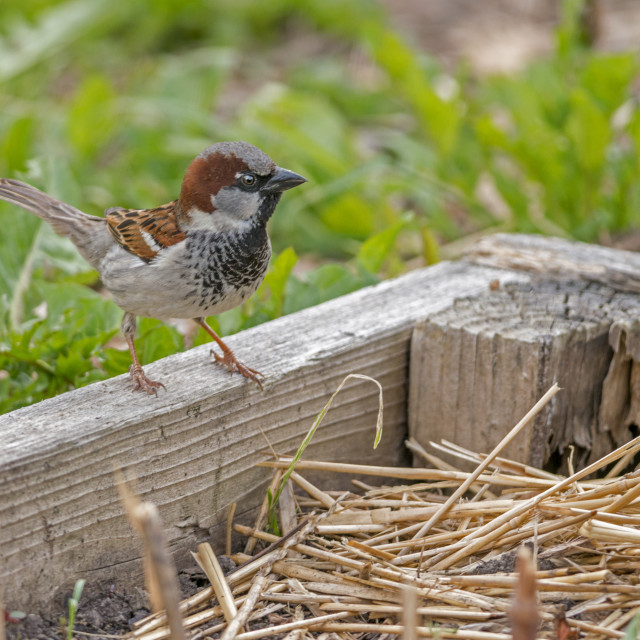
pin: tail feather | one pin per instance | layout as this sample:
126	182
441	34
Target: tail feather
55	212
88	233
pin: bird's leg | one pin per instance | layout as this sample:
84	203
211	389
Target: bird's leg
140	380
227	358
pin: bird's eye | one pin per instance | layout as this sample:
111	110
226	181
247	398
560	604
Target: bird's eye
248	179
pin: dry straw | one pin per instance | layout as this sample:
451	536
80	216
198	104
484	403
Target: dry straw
408	560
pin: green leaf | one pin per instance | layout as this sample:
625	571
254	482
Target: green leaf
633	128
376	249
57	27
92	115
490	134
157	340
22	233
349	215
430	247
15	147
324	283
608	78
115	361
73	604
511	189
568	33
93	313
276	279
31	245
302	125
589	131
439	117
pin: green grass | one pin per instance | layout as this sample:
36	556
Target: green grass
73	604
106	103
274	499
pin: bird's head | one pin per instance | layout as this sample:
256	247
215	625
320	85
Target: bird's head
232	185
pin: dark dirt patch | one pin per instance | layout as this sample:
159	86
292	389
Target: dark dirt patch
103	610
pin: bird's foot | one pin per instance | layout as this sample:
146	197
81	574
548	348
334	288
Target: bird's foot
140	381
234	365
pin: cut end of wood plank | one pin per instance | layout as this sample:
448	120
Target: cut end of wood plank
477	366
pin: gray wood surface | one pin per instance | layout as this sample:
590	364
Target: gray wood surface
491	333
479	365
194	448
562	259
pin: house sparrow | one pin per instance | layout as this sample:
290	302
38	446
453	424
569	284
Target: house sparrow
197	256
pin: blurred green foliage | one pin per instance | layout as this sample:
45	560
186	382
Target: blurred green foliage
105	104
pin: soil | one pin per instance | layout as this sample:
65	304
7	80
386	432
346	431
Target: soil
104	612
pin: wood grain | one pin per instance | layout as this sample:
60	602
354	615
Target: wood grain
479	365
558	258
491	333
194	449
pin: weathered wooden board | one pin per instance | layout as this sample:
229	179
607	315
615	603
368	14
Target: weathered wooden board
491	333
194	448
477	366
560	259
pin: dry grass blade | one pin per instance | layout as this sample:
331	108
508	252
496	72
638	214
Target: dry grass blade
318	421
609	532
499	463
423	632
271	558
524	615
627	498
488	533
321	496
160	573
452	478
230	513
457	613
410	612
242	616
436	462
264	509
287	508
296	634
310	623
208	562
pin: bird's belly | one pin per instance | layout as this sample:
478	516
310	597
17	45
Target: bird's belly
174	300
178	288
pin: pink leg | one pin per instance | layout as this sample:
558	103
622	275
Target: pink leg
140	380
227	358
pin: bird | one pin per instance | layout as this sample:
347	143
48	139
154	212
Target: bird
195	257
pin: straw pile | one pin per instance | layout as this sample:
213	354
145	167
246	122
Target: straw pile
432	553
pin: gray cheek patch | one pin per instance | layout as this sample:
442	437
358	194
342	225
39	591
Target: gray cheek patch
234	202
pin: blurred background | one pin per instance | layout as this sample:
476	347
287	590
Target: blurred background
420	124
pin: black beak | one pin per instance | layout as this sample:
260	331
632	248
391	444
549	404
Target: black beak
282	180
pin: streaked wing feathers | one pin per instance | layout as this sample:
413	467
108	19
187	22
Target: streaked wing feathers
144	232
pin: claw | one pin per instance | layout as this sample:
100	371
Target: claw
234	365
140	381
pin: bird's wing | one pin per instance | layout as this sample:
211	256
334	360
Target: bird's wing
144	232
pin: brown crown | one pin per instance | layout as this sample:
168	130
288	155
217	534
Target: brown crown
205	176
